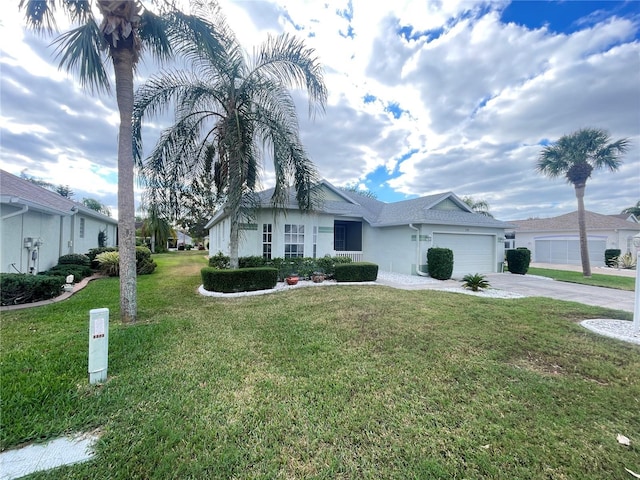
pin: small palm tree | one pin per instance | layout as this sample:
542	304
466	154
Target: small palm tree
478	206
125	27
575	156
229	111
475	282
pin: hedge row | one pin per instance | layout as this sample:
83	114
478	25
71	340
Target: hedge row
18	288
356	272
238	280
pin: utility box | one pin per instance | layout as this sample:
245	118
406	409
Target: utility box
98	344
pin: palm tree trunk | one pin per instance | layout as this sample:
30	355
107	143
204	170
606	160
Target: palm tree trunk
123	67
234	237
582	228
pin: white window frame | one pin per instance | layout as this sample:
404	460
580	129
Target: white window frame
293	240
267	240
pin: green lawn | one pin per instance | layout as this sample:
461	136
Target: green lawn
596	279
328	382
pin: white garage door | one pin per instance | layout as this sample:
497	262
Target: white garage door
567	252
471	253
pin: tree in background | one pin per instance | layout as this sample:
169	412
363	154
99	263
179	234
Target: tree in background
65	191
230	111
478	206
635	210
118	38
96	205
62	190
157	229
353	188
575	157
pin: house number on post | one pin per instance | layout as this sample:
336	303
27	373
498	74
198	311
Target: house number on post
98	344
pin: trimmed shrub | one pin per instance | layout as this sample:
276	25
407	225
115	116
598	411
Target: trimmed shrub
78	271
440	263
19	288
220	261
251	262
74	259
356	272
518	260
327	264
610	256
238	280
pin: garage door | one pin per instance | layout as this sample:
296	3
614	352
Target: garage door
471	253
567	252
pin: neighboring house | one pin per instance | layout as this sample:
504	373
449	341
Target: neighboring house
396	236
556	239
39	226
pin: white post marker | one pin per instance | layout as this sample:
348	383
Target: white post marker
98	344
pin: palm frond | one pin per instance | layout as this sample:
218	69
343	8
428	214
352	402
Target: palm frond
287	59
39	14
153	35
81	49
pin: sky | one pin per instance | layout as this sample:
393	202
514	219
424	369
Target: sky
425	97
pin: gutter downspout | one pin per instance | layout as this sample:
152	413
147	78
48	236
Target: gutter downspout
418	271
24	209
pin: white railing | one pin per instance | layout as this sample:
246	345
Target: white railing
354	256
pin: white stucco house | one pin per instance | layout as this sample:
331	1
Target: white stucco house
556	239
38	226
396	236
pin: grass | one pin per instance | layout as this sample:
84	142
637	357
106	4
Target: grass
328	382
596	279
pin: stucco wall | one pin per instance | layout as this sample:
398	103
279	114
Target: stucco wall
15	257
58	234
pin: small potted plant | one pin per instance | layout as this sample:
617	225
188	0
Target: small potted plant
317	277
292	279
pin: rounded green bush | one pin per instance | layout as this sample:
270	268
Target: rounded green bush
440	263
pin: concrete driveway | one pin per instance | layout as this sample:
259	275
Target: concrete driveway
534	286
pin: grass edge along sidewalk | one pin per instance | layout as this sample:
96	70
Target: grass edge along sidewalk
343	382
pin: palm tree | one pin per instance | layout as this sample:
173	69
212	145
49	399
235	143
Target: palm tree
157	229
230	110
478	206
575	156
635	210
124	28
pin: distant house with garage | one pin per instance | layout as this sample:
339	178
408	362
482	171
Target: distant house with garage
396	236
556	239
39	226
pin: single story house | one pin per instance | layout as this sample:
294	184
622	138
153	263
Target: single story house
38	226
556	239
396	236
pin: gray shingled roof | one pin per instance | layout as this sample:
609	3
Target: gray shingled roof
381	214
569	222
19	191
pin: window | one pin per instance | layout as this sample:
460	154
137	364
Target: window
81	227
315	241
267	236
293	241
